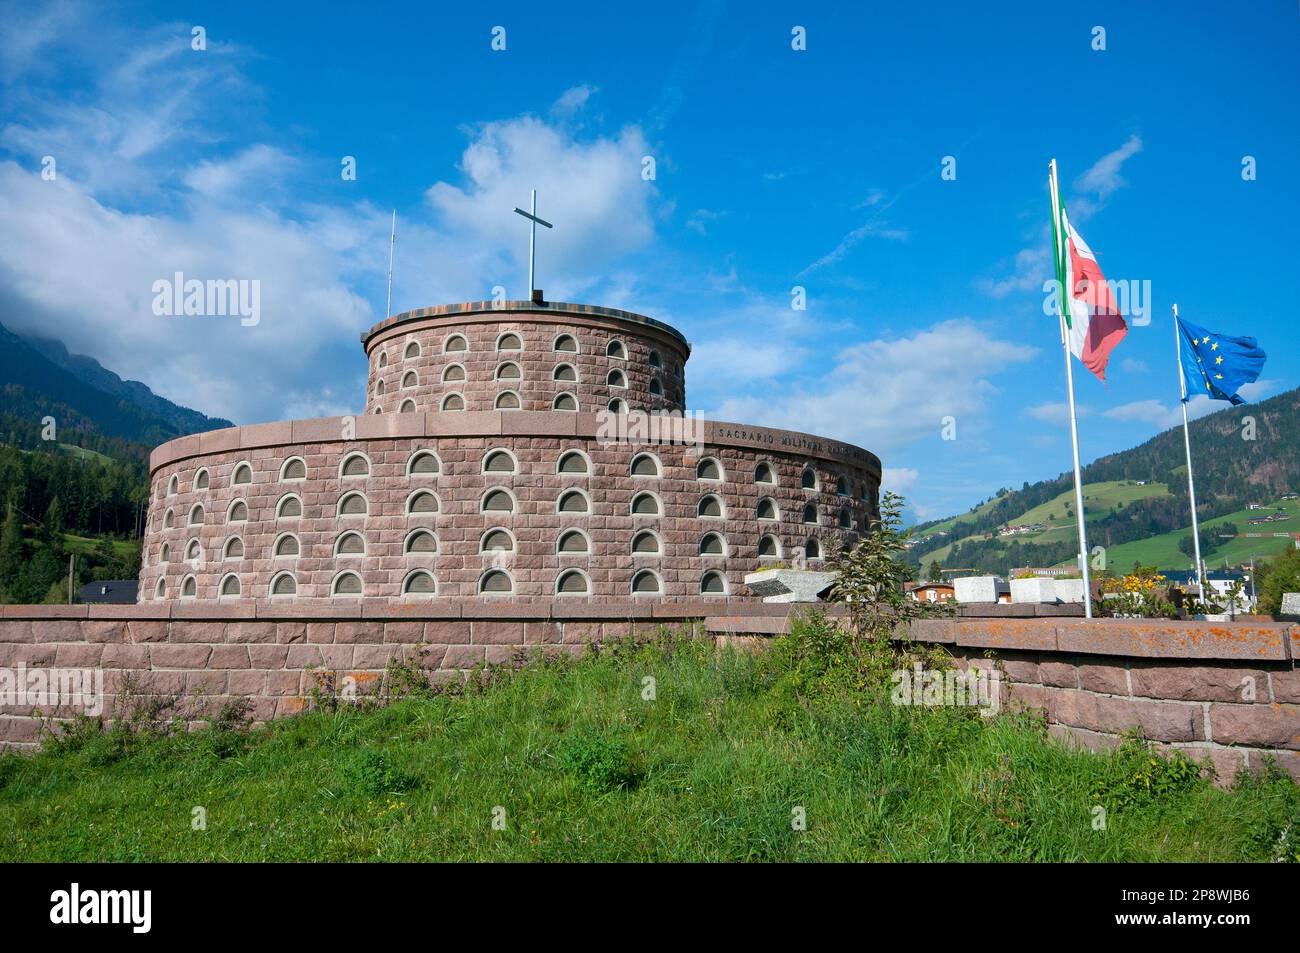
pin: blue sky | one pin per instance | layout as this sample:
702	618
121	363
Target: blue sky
774	168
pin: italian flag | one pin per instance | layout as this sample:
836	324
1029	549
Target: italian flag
1093	324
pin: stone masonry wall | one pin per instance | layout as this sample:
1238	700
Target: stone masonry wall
464	355
229	524
1182	684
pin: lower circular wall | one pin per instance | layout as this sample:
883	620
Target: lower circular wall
197	542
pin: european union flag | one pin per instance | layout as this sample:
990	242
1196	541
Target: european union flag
1215	364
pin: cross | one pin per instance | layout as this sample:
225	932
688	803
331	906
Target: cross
532	239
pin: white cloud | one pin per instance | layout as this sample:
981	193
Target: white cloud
1032	267
88	270
1033	264
123	134
27	29
700	220
78	257
1103	177
899	479
1133	365
571	101
1056	412
1163	416
258	167
885	393
591	191
872	228
728	361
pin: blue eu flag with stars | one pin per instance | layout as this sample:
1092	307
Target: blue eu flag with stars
1216	365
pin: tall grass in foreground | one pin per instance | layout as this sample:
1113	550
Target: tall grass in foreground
665	750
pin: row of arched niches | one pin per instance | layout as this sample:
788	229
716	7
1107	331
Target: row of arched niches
562	361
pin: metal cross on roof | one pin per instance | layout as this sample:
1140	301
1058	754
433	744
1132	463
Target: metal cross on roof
532	240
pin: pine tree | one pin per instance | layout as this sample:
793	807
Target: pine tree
52	524
11	548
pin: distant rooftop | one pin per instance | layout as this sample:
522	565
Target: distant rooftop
115	592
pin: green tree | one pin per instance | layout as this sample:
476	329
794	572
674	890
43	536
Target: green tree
11	548
869	577
52	525
935	572
1277	577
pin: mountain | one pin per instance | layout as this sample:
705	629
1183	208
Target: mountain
181	419
40	377
1243	455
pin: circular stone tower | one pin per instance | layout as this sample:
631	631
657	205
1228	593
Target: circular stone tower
525	450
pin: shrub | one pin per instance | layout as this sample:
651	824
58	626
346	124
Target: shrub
370	772
1141	776
599	761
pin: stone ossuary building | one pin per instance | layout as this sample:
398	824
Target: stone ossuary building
525	450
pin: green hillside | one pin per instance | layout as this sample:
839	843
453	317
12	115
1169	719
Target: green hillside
1057	514
74	448
1162	551
1137	504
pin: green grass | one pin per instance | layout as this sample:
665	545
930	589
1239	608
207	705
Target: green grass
580	766
84	545
1099	499
85	454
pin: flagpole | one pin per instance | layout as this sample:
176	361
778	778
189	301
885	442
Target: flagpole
1187	445
392	243
1063	302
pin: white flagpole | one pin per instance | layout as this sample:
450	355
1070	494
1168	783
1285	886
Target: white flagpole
1063	303
1187	445
392	243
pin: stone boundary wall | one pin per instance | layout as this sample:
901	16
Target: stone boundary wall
1183	684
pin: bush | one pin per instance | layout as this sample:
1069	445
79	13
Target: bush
1139	776
599	761
370	772
1280	576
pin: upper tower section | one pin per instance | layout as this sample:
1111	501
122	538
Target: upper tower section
524	355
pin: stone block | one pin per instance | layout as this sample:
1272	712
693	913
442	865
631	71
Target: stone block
789	585
179	656
351	633
979	588
1105	679
463	656
1183	682
245	632
1158	721
1023	634
268	656
1262	726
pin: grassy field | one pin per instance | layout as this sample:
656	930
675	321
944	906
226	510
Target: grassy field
84	454
82	545
717	759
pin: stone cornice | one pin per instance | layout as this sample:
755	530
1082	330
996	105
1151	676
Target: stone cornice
498	311
513	423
